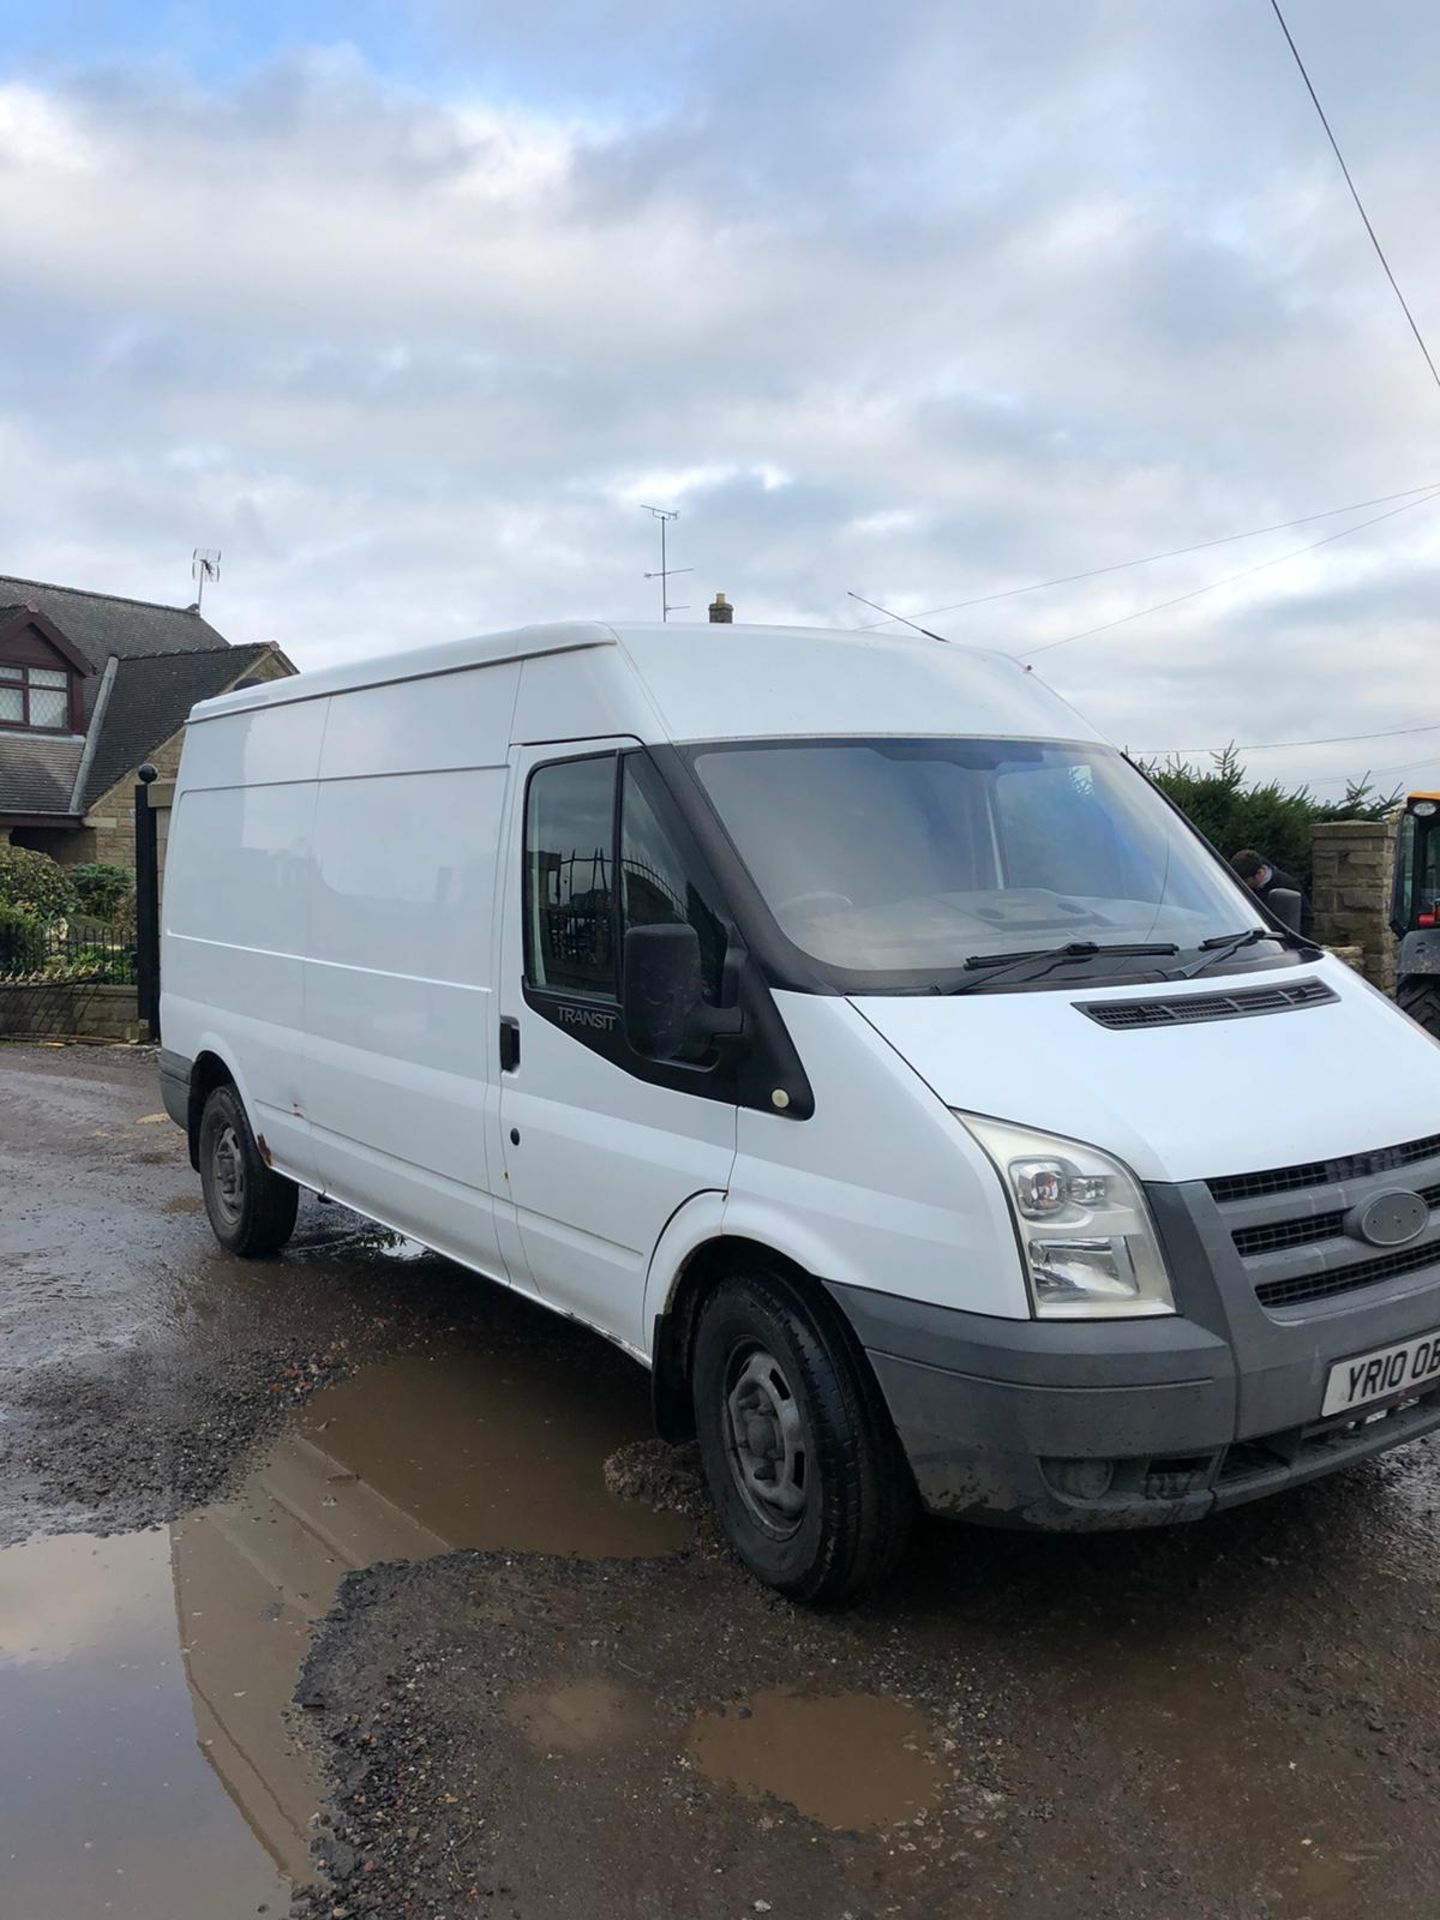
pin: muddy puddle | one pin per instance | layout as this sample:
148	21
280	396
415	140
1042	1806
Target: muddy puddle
109	1804
149	1677
504	1451
851	1761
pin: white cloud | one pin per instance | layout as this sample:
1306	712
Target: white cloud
38	132
928	306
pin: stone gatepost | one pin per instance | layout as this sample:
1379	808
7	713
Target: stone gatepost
1354	861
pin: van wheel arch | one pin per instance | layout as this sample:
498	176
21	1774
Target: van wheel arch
208	1072
674	1347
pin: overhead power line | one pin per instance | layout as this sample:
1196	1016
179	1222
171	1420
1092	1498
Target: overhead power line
1274	746
1171	553
1371	773
1070	579
1355	194
1179	599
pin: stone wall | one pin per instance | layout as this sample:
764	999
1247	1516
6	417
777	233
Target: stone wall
70	1009
1354	862
111	820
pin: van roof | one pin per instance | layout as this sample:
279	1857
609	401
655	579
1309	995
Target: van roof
704	682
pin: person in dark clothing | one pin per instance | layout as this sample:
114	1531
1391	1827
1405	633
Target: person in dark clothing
1262	876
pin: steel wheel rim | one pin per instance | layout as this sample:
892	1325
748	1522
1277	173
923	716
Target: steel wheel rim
765	1441
227	1163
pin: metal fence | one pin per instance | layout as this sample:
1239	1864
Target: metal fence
66	953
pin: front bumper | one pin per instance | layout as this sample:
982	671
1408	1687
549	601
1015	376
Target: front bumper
1081	1425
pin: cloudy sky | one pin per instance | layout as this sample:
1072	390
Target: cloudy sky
408	305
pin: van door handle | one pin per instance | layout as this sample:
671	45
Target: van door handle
509	1044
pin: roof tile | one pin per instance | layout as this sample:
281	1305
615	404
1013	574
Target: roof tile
37	772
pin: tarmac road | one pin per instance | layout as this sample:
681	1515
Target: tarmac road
347	1578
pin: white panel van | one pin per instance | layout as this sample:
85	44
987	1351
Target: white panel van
841	1026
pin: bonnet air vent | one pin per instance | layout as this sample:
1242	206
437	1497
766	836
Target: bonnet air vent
1191	1008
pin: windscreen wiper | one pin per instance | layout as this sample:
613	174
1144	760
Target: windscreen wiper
990	967
1220	946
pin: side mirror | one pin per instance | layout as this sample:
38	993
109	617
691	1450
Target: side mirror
665	1013
1284	903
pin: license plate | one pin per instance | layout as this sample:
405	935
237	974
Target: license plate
1408	1368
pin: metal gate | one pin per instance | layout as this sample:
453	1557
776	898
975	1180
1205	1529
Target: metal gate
147	903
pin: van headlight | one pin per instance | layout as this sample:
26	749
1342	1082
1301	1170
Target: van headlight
1086	1236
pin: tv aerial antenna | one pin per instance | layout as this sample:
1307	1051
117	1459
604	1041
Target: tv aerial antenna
664	515
204	565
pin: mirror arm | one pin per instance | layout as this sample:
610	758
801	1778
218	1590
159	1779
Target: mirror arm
728	1019
719	1023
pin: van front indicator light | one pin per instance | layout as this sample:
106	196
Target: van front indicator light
1084	1229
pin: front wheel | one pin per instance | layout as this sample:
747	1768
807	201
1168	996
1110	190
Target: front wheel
802	1461
1421	1000
251	1208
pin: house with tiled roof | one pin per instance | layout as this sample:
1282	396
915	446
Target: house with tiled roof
91	687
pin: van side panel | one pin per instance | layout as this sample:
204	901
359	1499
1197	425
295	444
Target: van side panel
239	880
591	694
256	749
399	989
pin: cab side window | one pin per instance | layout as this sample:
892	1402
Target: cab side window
657	885
570	877
1427	878
1402	901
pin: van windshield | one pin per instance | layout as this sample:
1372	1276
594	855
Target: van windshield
911	857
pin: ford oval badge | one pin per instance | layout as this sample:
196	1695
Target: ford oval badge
1390	1219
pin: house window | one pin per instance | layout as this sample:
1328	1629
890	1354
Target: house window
34	697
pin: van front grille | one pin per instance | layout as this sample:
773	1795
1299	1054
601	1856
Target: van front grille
1324	1173
1276	1235
1364	1273
1293	1228
1288	1233
1128	1016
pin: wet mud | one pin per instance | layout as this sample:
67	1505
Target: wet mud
183	1645
583	1750
346	1574
853	1761
403	1461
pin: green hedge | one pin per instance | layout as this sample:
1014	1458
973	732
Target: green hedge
101	889
22	940
35	883
1274	820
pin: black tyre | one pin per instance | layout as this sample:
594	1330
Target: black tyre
1421	1000
251	1208
804	1467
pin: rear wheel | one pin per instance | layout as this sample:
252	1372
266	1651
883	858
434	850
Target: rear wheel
251	1209
1420	998
803	1464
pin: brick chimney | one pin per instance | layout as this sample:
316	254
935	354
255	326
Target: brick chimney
721	611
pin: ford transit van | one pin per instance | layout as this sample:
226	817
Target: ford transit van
841	1026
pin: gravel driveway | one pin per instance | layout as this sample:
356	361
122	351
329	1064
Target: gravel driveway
347	1579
